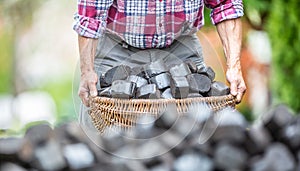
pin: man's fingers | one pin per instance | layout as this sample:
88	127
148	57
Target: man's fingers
85	101
240	96
237	85
88	87
233	88
93	89
241	92
83	94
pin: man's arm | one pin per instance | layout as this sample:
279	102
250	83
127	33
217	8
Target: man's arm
90	24
230	32
226	15
89	78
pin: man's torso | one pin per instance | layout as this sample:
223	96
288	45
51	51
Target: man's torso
154	23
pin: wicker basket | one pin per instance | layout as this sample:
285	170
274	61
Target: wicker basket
106	112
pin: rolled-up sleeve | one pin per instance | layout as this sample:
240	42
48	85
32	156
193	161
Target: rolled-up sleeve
90	19
224	9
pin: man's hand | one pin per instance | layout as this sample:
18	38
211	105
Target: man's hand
87	86
230	32
89	78
237	85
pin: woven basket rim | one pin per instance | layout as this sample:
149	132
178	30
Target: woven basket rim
196	99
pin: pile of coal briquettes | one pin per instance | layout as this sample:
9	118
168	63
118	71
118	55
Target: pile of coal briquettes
157	81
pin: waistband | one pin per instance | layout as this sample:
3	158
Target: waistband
125	45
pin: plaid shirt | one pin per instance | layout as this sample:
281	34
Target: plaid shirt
150	23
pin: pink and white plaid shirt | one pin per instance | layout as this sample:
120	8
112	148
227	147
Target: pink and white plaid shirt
150	23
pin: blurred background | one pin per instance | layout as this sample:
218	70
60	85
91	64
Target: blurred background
39	57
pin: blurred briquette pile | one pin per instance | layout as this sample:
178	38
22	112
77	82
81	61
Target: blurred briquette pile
223	141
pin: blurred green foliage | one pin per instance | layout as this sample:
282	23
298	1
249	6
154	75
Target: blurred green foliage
207	19
62	96
5	62
257	12
281	19
284	32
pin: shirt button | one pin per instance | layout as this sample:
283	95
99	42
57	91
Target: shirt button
160	24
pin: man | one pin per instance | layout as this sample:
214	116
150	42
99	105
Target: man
135	32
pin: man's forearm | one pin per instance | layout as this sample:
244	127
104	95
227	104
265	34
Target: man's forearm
230	32
89	78
87	51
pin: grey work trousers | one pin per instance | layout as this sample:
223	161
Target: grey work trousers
112	52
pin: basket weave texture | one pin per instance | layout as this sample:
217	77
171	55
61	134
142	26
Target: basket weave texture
106	112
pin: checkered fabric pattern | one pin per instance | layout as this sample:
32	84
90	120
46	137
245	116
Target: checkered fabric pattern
150	23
